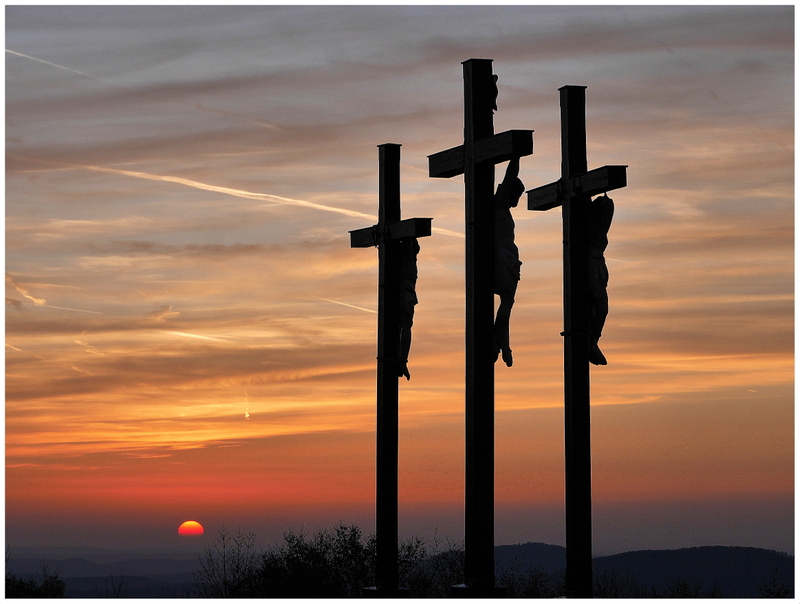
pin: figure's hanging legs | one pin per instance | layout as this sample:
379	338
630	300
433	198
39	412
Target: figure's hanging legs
502	342
598	311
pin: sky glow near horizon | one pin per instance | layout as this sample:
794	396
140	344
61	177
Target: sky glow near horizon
190	335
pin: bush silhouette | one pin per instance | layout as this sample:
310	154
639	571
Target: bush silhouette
50	586
335	563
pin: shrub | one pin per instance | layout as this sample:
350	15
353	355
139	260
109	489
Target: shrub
50	587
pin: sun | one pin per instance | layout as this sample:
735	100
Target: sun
191	527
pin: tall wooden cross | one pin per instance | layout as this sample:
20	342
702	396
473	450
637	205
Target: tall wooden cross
388	235
573	193
475	159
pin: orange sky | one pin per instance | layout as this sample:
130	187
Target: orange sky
190	336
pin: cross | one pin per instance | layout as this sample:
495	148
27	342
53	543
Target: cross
573	192
392	237
475	159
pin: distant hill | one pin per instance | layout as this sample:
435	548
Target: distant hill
80	567
533	556
733	571
139	577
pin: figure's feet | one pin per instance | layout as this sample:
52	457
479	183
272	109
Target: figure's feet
595	355
404	371
507	358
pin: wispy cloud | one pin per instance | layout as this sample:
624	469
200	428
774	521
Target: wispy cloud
24	292
164	313
39	301
88	347
156	97
14	348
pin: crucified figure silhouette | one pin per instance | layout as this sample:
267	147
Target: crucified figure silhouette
506	256
408	299
601	212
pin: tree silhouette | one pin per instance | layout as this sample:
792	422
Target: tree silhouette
50	587
228	567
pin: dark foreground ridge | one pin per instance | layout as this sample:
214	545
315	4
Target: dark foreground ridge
528	569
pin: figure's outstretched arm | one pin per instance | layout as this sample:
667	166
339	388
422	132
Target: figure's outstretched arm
510	190
512	171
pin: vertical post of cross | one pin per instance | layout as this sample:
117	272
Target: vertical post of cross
573	192
388	236
386	507
475	159
479	189
578	463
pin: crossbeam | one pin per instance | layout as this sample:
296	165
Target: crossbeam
594	182
372	236
495	149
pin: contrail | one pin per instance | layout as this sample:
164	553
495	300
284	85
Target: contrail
196	106
191	183
348	305
86	75
275	199
194	335
94	312
447	232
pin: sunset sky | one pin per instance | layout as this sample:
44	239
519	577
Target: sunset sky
189	335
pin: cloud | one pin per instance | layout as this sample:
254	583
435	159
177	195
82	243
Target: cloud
24	292
161	315
88	347
129	90
39	301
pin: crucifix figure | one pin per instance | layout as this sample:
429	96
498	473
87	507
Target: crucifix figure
397	245
601	212
585	228
475	159
506	256
409	248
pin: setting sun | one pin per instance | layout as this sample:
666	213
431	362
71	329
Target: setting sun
190	527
